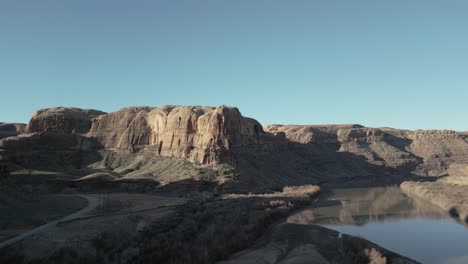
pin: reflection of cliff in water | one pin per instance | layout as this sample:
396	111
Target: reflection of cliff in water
362	205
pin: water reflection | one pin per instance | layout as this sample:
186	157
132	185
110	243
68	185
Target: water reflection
388	217
362	205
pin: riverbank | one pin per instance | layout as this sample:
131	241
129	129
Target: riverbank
290	243
449	193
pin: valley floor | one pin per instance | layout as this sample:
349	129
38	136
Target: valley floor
202	227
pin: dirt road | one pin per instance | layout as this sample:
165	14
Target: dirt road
92	204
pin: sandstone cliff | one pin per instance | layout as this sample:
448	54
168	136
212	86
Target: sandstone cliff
197	133
128	141
63	119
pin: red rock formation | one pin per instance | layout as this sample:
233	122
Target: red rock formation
198	133
62	119
287	153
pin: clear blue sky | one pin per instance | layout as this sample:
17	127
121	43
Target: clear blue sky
392	63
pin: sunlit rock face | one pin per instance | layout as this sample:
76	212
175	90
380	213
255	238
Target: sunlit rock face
268	157
198	133
66	119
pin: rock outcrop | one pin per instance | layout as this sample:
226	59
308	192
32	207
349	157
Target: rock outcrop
422	152
11	129
52	150
438	149
270	157
62	119
198	133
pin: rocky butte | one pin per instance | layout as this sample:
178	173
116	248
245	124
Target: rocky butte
72	140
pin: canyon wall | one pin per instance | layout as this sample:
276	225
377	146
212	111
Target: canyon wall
197	133
421	152
274	155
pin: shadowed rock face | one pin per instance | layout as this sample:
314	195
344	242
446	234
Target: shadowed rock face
11	129
197	133
62	119
422	152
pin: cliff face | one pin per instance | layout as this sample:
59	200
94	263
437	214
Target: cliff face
62	119
198	133
422	152
273	156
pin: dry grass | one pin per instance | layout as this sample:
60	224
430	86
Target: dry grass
302	191
375	257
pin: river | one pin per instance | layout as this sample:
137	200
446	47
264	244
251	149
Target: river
386	216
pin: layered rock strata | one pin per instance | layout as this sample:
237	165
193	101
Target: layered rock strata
271	157
201	134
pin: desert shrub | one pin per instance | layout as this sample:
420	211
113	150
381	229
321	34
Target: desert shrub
64	255
301	190
206	233
198	232
279	203
102	242
454	212
375	257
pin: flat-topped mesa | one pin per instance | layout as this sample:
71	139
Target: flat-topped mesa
373	144
199	133
65	119
435	134
439	149
310	134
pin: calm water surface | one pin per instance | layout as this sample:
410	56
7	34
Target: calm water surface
388	217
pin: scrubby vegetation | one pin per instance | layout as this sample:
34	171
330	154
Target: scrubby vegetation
303	191
198	232
206	233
